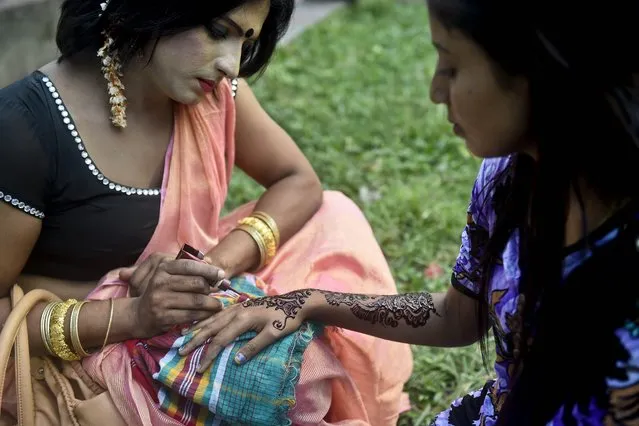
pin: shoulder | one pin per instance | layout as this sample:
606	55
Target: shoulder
492	173
27	93
26	111
26	125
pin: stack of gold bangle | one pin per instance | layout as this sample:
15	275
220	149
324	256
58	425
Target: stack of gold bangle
52	329
264	231
75	335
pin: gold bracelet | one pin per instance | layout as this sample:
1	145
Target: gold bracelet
258	240
106	336
75	334
270	222
45	321
257	237
266	235
58	339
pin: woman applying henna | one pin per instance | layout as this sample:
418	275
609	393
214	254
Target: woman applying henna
548	253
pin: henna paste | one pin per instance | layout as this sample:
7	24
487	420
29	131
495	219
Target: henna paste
413	308
289	303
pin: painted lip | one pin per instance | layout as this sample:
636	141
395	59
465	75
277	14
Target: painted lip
207	85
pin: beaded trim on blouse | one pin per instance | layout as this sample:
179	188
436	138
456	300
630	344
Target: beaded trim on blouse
93	169
9	199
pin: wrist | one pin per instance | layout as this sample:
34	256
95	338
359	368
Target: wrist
314	306
126	324
235	254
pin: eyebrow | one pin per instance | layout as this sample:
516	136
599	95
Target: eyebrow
440	47
248	33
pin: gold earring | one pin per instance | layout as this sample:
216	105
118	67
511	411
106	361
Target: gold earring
112	71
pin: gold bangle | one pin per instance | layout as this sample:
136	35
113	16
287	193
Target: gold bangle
58	339
270	222
48	327
75	334
106	336
258	240
266	235
45	320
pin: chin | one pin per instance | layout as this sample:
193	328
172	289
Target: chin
188	98
194	100
185	94
486	150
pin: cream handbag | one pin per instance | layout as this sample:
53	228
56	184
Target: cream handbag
49	391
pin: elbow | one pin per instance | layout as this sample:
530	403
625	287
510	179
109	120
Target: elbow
309	187
310	190
304	187
315	193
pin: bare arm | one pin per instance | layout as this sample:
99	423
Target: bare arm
177	292
63	289
266	153
20	232
439	319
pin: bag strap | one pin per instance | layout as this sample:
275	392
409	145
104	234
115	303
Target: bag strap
15	333
22	366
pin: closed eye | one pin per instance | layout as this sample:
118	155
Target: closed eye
217	30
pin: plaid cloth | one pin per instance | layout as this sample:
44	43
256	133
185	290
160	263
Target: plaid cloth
260	392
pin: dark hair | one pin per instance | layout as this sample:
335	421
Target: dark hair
134	24
581	65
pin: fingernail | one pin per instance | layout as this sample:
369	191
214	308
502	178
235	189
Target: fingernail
239	358
221	274
181	350
185	331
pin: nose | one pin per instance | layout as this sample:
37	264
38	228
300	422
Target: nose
439	90
229	65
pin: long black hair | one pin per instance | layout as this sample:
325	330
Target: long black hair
133	24
581	65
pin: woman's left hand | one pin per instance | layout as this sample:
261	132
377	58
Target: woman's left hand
271	317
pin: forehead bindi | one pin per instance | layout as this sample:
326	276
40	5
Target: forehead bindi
247	20
247	33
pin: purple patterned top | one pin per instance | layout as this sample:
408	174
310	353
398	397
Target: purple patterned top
503	295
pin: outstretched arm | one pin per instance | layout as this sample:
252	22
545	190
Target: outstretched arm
439	319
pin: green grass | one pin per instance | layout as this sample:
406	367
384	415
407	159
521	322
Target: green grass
353	92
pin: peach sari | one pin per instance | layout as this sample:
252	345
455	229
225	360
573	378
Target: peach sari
347	378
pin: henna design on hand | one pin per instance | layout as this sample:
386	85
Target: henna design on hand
413	308
289	303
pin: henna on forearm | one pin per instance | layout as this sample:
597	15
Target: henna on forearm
289	303
370	314
438	319
415	309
